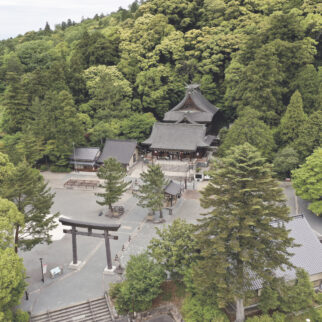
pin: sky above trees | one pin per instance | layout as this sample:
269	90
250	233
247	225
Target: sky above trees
20	16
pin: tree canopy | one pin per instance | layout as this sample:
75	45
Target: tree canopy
236	237
307	181
78	79
249	128
151	190
174	248
143	279
27	190
113	174
12	282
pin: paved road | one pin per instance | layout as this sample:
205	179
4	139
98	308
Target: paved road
314	221
89	282
299	206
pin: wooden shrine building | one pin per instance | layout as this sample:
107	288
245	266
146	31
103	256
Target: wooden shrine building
196	109
178	141
84	159
188	130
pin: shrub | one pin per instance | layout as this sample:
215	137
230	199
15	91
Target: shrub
195	309
115	290
21	316
141	287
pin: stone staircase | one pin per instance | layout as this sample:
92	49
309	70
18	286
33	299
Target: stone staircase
92	310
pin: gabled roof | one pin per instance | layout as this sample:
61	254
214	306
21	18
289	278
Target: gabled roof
172	188
205	110
307	256
85	154
121	150
179	137
186	117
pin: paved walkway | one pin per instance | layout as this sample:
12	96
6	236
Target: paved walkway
89	282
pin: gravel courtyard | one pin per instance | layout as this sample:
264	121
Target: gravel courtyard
74	286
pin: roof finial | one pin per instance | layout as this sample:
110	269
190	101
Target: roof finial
192	87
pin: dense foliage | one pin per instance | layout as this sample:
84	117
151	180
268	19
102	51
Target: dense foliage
288	297
143	279
112	76
12	271
151	190
307	181
12	282
26	188
174	248
238	243
195	309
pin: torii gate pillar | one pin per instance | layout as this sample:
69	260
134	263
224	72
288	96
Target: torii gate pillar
90	226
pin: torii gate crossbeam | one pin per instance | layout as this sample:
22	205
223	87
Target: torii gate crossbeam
90	226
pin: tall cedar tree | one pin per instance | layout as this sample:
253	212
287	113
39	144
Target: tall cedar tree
242	236
113	174
16	106
26	188
292	120
150	193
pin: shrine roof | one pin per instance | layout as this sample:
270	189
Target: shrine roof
205	110
121	150
179	137
85	154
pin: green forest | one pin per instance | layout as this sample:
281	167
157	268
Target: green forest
259	61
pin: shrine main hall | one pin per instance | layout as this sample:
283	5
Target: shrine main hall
188	130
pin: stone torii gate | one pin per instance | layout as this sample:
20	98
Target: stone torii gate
90	226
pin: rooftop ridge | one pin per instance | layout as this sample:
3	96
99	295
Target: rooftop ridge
180	124
121	140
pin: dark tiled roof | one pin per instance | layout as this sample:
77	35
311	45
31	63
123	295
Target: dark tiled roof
172	188
186	117
85	154
210	138
121	150
307	256
206	109
180	137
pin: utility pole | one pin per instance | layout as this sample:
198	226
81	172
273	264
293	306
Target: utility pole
75	164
